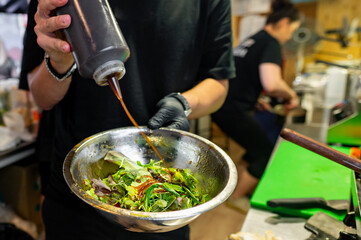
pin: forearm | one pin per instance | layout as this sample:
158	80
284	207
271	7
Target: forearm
46	91
206	97
272	82
282	90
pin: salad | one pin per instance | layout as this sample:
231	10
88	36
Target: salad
150	187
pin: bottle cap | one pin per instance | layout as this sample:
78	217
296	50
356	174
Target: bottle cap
114	68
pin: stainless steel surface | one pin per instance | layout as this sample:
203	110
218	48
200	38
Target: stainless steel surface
286	228
213	168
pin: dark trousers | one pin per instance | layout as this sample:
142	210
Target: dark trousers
271	123
79	221
247	132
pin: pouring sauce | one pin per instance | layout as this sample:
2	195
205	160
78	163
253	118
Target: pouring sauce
114	84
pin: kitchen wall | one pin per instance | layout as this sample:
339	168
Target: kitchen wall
325	15
330	14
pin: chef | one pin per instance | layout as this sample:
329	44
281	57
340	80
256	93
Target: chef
180	63
258	63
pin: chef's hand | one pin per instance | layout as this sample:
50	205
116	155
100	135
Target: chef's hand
263	104
292	103
171	113
47	25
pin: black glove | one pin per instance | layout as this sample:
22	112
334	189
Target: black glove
172	110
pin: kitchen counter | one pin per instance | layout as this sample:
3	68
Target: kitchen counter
288	228
13	155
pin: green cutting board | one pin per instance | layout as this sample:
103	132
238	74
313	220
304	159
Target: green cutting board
295	172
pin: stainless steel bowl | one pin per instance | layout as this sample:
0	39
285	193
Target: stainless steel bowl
213	168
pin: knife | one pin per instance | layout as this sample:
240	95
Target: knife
301	203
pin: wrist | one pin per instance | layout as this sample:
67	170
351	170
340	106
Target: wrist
59	67
186	107
61	62
293	95
59	71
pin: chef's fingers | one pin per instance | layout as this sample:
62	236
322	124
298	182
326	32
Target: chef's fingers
159	119
164	118
52	24
291	104
47	24
52	45
179	123
46	7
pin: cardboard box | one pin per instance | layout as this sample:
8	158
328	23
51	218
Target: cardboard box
20	189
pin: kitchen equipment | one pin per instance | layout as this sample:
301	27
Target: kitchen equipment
344	117
301	203
297	115
321	149
213	168
345	124
324	227
295	172
336	85
99	48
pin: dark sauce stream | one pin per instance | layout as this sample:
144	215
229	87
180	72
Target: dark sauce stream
114	84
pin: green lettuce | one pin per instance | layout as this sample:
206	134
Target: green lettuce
149	187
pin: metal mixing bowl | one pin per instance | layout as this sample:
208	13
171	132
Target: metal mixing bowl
213	168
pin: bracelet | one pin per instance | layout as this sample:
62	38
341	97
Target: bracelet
58	77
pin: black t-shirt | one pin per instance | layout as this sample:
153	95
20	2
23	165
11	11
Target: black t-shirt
245	89
173	44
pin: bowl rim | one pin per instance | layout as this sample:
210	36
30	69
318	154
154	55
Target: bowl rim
168	215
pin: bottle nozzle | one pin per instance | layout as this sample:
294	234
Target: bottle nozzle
114	69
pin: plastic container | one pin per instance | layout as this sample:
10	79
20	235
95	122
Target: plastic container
99	48
336	85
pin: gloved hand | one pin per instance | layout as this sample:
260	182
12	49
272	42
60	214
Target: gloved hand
171	113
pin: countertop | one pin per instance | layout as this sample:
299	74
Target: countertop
12	155
288	228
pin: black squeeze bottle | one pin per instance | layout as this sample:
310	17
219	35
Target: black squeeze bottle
98	45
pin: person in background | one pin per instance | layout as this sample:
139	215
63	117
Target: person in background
258	68
176	47
271	115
